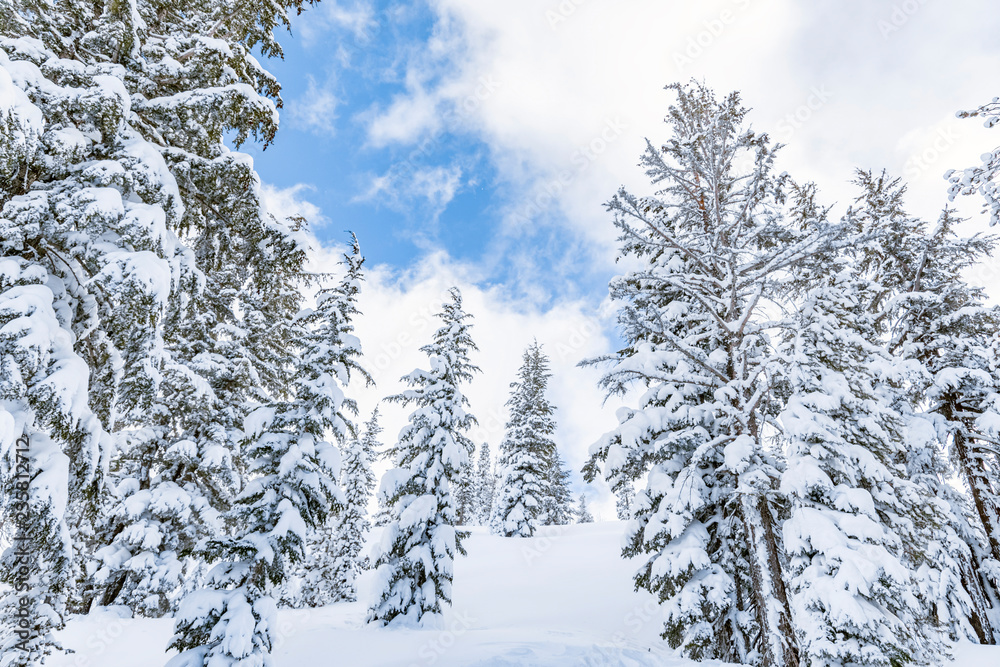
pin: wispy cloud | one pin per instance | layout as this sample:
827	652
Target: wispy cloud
289	202
316	110
358	18
401	189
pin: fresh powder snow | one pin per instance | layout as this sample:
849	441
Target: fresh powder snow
564	599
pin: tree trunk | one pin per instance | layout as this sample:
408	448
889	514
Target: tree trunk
979	619
983	496
114	588
778	647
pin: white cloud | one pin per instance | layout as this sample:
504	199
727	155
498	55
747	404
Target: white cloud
437	185
405	186
358	18
407	117
288	202
563	95
316	109
562	71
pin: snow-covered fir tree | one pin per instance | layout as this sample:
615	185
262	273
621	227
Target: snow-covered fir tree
980	179
465	494
334	562
530	485
485	485
968	399
132	108
292	471
624	496
715	244
559	503
91	261
854	594
583	514
329	572
414	559
935	319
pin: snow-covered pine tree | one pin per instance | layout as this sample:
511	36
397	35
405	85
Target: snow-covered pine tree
528	462
91	261
382	511
193	81
414	559
465	494
957	576
292	470
854	594
936	319
559	504
352	526
714	246
624	496
329	572
485	485
583	514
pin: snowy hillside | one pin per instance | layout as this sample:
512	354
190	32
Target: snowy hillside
559	599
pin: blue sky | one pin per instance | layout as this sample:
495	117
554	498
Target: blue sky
474	143
391	123
438	190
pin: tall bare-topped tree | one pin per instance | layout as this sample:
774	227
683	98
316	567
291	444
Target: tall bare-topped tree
715	247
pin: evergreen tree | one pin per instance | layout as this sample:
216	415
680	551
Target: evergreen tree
854	594
332	571
415	558
623	500
956	575
715	244
328	574
559	504
941	323
980	179
485	485
465	494
292	472
529	467
177	342
583	514
90	263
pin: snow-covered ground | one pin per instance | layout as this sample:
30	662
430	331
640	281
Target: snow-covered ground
564	598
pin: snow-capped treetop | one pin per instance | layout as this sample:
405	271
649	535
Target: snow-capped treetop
980	178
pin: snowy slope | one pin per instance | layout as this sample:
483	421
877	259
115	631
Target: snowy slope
564	598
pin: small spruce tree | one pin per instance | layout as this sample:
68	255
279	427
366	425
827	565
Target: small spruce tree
485	485
623	500
414	559
337	570
583	514
529	469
